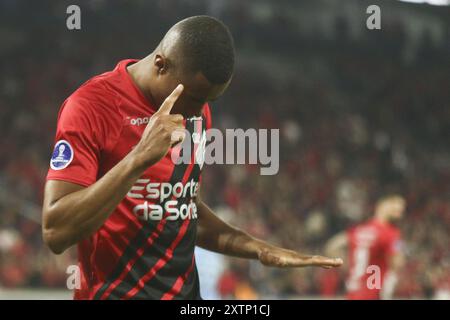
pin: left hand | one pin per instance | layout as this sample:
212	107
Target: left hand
284	258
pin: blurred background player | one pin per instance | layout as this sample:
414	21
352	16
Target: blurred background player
374	251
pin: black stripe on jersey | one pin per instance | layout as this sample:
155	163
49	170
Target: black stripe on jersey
142	235
164	278
161	282
138	241
191	288
147	261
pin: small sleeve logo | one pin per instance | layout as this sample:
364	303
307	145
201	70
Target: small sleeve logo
62	155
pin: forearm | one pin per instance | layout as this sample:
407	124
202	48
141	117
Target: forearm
218	236
77	215
233	242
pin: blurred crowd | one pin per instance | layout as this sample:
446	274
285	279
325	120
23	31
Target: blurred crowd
356	119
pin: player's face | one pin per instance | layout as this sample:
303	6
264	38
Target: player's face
197	91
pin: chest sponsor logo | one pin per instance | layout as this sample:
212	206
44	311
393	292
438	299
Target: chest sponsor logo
160	197
138	121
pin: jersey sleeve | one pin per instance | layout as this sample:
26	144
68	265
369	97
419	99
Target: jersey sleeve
394	244
77	144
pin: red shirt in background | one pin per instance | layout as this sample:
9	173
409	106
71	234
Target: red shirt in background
370	244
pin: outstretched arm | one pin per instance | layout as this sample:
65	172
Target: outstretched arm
218	236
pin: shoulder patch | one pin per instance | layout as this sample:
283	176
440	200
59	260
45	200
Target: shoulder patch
62	155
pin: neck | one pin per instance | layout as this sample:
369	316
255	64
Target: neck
139	73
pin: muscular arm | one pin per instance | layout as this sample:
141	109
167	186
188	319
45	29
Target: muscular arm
72	212
218	236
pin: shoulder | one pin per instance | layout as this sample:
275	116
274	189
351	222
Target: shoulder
97	94
93	103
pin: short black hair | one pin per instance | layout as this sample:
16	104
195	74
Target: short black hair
206	45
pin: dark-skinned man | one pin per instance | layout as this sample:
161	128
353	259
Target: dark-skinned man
113	187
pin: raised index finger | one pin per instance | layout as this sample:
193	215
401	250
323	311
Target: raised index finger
167	105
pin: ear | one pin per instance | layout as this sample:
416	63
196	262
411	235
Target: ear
160	64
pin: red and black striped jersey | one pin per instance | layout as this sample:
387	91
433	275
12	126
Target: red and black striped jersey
145	249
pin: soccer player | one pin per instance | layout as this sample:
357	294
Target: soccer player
114	189
372	247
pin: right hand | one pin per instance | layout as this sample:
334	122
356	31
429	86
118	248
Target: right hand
163	131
